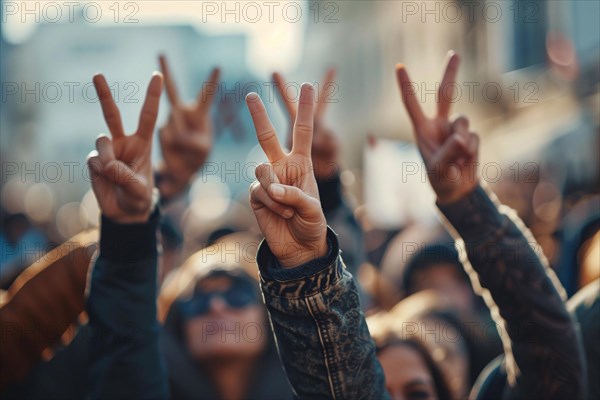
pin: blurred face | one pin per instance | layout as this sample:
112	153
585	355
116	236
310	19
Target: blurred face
589	256
225	319
449	352
444	279
406	374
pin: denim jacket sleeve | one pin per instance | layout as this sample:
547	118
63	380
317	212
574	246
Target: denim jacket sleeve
321	332
543	352
124	359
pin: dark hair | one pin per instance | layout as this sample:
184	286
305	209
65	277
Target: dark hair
429	256
15	218
439	381
219	233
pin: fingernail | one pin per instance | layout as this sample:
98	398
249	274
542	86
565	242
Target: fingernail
306	93
277	190
288	213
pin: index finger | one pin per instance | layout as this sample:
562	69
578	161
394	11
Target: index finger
448	86
328	84
112	116
208	91
169	82
265	132
409	97
150	107
287	102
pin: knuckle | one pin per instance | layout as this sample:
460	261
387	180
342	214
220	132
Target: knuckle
293	192
461	120
265	173
303	128
102	140
94	164
148	116
261	170
267	134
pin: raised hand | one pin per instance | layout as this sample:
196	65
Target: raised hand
326	145
187	138
449	148
285	199
121	168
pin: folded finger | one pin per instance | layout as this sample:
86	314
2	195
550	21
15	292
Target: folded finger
454	149
265	174
461	126
259	198
294	197
94	164
473	145
105	149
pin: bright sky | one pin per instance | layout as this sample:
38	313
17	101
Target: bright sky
274	28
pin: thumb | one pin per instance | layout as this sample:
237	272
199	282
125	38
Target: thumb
292	196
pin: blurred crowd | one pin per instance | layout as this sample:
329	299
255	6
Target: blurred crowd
435	333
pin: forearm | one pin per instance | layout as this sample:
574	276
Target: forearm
124	355
321	331
528	297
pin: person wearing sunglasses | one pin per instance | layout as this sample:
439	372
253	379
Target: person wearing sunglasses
216	338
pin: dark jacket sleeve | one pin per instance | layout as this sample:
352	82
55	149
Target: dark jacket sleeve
341	218
123	345
543	352
321	332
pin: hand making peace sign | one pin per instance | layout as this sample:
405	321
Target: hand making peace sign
285	199
449	149
121	168
325	145
187	138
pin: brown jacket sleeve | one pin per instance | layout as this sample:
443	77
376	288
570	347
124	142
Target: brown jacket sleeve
42	304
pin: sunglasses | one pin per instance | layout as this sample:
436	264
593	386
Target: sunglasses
239	295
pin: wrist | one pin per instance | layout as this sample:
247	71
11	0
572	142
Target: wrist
271	269
316	251
124	242
455	195
137	218
128	219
